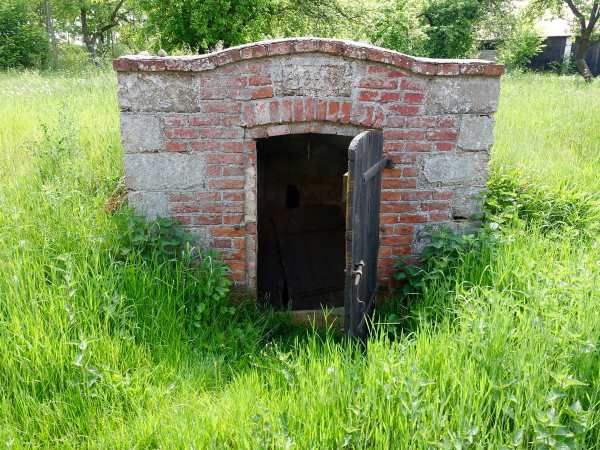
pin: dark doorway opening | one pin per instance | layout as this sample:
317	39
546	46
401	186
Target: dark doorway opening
301	206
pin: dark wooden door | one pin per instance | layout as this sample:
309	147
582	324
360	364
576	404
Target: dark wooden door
365	163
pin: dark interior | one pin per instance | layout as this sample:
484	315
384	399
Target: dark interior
301	220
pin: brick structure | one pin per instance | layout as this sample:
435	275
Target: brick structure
190	124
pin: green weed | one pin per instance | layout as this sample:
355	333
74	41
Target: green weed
104	344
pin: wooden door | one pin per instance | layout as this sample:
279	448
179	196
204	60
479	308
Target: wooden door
365	163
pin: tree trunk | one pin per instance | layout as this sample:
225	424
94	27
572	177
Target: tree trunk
88	39
50	30
580	54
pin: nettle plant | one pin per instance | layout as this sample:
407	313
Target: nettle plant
510	201
164	241
442	257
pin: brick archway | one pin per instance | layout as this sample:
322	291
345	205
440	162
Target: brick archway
189	126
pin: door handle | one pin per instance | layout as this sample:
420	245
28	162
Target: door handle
358	272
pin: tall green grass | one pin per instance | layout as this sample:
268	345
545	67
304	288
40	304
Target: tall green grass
96	351
548	128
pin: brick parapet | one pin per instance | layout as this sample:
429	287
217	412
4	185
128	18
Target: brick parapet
290	46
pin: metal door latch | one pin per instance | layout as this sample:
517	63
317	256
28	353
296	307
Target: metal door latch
358	272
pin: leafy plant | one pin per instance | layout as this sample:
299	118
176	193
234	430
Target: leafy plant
23	43
451	26
202	25
203	276
512	198
396	25
521	45
210	301
441	258
162	237
57	146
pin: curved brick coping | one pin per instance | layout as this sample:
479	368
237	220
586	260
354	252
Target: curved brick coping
348	49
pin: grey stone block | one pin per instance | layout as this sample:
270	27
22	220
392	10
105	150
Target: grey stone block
422	235
149	204
468	202
466	169
165	171
156	92
476	132
465	226
140	133
462	95
312	74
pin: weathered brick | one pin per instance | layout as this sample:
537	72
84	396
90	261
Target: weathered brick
368	96
404	135
220	106
205	145
404	110
181	133
413	218
207	219
262	92
225	158
414	97
299	109
233	146
377	83
441	135
333	108
259	80
175	146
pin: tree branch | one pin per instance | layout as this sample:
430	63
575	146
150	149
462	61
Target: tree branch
594	16
113	16
577	14
113	22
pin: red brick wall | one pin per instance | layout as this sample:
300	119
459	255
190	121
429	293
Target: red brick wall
240	101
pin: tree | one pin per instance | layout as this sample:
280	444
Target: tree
587	13
434	28
49	21
324	18
586	28
513	33
201	25
451	27
23	42
396	25
91	19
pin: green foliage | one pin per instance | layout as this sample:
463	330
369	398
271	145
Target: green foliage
57	147
511	204
98	347
451	27
521	44
442	258
323	18
396	25
434	28
72	59
101	19
162	238
202	25
510	198
206	277
23	43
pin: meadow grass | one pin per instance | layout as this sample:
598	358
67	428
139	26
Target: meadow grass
96	351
